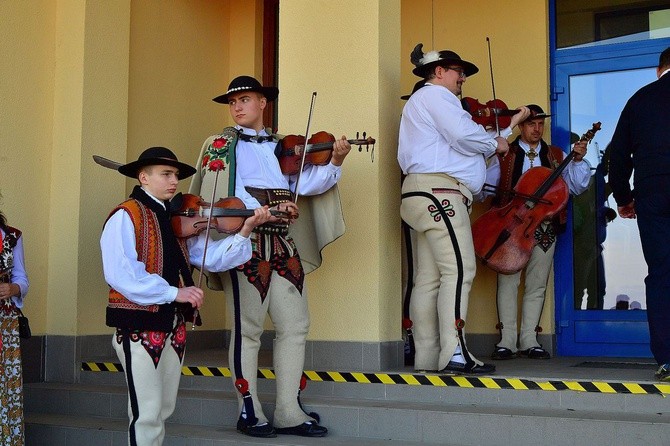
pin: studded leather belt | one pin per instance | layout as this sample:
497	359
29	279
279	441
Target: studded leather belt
271	197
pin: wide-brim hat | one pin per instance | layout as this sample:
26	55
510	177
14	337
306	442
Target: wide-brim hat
247	83
157	156
426	62
417	86
536	112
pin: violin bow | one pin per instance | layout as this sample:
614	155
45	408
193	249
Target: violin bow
493	85
304	149
204	249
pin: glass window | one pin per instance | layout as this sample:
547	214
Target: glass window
609	267
599	22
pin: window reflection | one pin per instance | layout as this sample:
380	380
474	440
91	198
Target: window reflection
609	268
598	22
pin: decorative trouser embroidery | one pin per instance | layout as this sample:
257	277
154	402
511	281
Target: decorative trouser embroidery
154	341
11	381
152	374
545	236
272	253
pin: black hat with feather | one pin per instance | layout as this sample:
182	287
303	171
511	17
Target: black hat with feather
424	63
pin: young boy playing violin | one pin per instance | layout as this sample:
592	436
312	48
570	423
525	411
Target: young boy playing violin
272	281
152	293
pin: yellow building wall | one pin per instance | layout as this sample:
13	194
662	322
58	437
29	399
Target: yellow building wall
26	135
519	36
352	61
112	78
179	60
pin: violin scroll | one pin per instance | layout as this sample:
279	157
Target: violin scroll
319	150
366	141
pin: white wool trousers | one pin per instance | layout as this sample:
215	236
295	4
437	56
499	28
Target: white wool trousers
436	206
287	308
152	389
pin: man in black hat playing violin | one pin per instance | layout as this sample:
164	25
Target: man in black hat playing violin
272	281
152	293
443	152
526	151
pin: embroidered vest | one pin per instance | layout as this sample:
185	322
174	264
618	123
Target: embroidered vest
7	244
123	313
9	241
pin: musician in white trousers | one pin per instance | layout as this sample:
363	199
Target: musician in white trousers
526	151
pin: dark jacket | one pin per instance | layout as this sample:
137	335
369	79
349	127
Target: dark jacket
641	140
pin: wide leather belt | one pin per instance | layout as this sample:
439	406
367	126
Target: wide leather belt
271	197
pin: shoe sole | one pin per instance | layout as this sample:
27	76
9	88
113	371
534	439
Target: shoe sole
453	372
503	358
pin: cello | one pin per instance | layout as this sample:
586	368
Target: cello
504	237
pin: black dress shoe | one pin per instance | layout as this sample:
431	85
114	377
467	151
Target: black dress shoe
503	353
264	430
306	429
469	369
535	353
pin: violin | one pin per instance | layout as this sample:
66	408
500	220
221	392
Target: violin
485	114
319	150
504	237
228	214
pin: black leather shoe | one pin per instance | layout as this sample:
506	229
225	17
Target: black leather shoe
503	353
260	430
535	353
306	429
469	369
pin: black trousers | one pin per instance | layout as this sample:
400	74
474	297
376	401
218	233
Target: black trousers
652	204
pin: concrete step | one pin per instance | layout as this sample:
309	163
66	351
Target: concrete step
58	412
69	430
496	391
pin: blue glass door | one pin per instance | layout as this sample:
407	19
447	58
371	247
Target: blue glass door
599	268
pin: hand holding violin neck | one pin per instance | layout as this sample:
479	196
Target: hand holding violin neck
284	212
319	151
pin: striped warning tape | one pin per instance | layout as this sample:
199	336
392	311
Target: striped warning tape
414	379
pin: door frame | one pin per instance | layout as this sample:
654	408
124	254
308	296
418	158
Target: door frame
591	332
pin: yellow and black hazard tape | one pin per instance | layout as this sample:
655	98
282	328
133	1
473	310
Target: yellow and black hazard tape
414	379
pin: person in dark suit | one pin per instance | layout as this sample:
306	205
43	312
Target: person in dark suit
641	142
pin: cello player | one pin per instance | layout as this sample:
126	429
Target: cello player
443	153
526	151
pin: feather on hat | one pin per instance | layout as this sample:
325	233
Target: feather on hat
425	62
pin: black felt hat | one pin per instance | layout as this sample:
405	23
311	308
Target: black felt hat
417	86
536	112
247	83
426	62
157	156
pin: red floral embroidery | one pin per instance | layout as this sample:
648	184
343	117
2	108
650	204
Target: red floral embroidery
219	142
216	165
282	258
216	154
